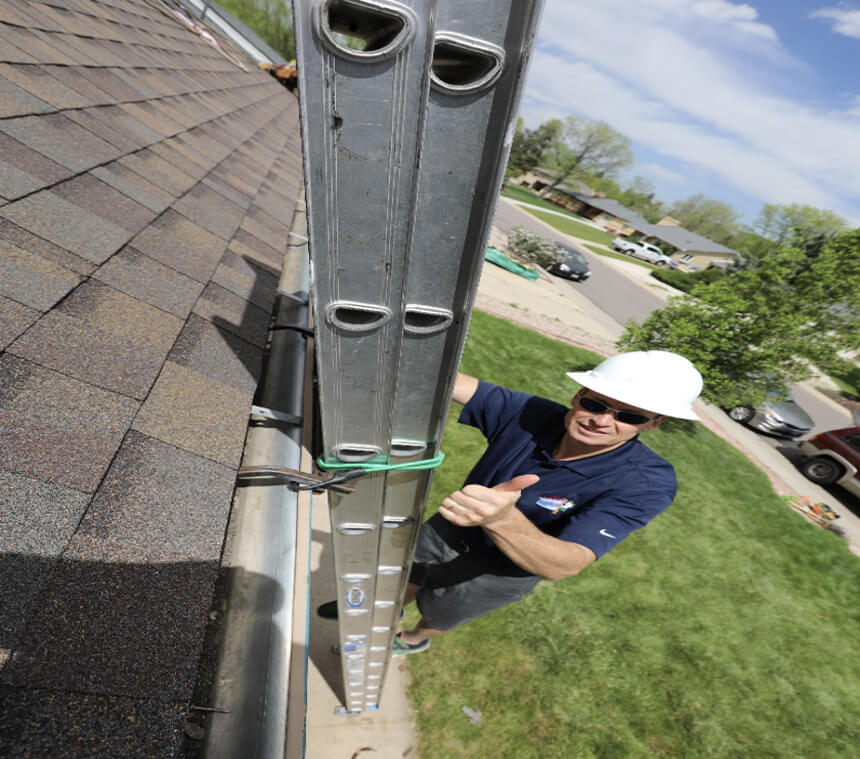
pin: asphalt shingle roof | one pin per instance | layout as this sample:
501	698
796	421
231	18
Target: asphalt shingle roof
147	183
684	239
613	207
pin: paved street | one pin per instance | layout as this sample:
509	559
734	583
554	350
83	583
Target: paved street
618	296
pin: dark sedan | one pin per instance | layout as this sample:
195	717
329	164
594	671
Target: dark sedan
572	266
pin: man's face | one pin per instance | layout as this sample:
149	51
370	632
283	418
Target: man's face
602	431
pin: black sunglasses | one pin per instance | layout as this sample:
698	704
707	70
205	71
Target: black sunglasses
622	415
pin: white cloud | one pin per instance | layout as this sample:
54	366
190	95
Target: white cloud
759	173
658	171
846	22
758	30
720	10
640	67
742	17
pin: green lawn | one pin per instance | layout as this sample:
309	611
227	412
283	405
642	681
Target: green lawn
848	381
568	226
528	196
727	628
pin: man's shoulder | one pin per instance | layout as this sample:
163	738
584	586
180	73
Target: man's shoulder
529	412
633	463
643	452
646	463
489	394
500	412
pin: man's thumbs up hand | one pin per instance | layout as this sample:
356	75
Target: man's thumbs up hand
477	505
517	485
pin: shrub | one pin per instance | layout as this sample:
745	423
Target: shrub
686	281
530	248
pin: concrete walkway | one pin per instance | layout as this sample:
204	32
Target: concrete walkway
388	733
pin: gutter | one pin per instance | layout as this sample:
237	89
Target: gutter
250	692
226	24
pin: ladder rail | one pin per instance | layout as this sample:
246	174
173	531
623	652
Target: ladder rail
363	83
477	81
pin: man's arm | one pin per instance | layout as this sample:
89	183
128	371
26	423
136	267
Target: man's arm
494	509
464	388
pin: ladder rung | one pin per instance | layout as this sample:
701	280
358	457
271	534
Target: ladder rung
353	528
389	570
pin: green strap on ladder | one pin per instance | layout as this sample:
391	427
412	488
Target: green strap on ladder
381	464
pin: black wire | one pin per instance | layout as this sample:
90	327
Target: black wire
346	476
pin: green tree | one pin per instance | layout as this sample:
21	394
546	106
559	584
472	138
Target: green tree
799	225
584	148
528	146
640	196
710	218
606	185
757	329
752	247
776	222
272	20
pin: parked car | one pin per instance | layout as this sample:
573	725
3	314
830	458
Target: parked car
779	416
833	458
574	266
642	250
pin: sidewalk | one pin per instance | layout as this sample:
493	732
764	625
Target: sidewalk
388	733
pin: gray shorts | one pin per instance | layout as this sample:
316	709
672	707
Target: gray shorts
454	588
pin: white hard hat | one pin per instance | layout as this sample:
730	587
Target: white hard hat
657	381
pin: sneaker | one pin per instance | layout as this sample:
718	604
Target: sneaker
401	648
328	610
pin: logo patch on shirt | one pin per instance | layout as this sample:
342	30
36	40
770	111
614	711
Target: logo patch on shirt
557	504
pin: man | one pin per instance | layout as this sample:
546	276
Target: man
555	490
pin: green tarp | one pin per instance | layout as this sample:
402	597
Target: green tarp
500	259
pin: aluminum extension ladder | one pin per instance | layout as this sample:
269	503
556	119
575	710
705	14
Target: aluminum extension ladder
407	113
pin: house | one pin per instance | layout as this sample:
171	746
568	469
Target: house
608	214
539	179
689	248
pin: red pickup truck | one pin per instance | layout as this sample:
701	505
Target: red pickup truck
833	458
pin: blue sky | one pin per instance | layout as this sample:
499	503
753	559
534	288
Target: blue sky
749	103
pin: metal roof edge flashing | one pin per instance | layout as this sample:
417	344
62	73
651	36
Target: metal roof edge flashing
250	691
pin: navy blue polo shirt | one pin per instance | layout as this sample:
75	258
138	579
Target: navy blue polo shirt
596	501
